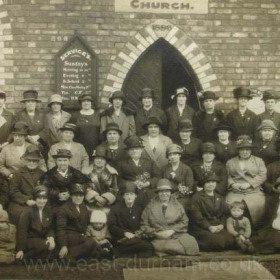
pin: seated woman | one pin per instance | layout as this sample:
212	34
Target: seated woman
166	217
246	174
225	147
208	217
35	238
72	221
11	155
208	164
124	226
191	147
155	143
266	145
23	183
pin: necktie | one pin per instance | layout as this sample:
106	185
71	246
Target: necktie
154	150
164	207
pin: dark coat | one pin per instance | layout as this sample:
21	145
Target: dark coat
6	128
243	125
273	173
204	125
218	168
225	152
69	221
30	226
275	117
142	116
56	183
173	119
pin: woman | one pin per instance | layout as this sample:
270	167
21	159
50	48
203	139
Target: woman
166	217
191	147
208	217
11	155
206	120
178	112
120	115
242	120
208	164
266	146
225	147
35	238
155	143
246	174
88	123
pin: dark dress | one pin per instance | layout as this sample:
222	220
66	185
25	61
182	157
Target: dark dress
225	152
6	128
123	219
33	233
209	211
273	173
88	132
71	226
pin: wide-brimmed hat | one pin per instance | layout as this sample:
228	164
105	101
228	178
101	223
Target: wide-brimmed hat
98	216
100	152
173	148
129	187
4	218
2	95
20	128
112	126
210	177
32	153
69	126
117	94
62	153
164	185
185	125
133	141
270	94
242	92
181	90
147	93
208	95
55	98
208	147
152	120
267	124
84	97
223	126
40	191
244	141
77	188
30	95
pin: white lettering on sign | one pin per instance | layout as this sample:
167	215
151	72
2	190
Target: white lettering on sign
163	6
75	52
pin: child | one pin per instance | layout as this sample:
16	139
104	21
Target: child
240	227
98	230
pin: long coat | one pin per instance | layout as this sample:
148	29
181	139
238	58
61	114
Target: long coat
175	219
273	173
6	128
142	116
225	152
254	174
79	159
159	156
173	119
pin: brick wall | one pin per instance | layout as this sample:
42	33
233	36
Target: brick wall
238	39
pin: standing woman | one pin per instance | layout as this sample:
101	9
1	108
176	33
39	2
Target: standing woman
88	123
120	115
177	112
35	238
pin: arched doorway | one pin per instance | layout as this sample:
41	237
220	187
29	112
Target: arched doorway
164	69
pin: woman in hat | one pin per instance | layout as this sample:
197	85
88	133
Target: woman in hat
80	158
35	238
88	123
246	174
118	114
147	110
155	143
266	145
208	118
180	110
11	154
54	120
191	146
166	217
23	182
208	164
72	221
225	147
208	217
124	226
242	120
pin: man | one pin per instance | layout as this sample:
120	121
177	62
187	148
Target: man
142	115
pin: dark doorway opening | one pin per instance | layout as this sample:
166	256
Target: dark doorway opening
162	68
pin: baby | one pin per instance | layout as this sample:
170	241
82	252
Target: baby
240	227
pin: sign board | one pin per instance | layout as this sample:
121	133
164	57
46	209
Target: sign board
162	6
76	73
